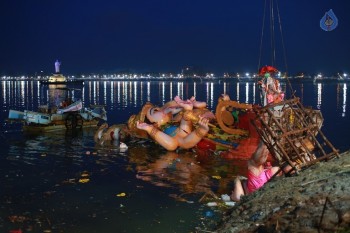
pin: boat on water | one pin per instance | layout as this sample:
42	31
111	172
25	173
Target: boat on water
58	78
55	79
67	114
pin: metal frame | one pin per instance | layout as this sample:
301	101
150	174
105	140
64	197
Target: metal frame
293	134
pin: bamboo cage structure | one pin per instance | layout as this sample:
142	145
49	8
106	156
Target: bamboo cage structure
292	133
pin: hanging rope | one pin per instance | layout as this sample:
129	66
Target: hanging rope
282	39
272	34
272	13
262	36
260	53
284	50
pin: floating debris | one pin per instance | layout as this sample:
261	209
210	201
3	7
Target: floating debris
209	213
212	204
84	180
230	203
85	174
17	218
123	147
225	197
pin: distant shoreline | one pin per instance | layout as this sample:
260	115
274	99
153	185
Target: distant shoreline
141	78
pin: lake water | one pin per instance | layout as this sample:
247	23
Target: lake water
41	187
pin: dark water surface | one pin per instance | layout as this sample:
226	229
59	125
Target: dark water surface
42	176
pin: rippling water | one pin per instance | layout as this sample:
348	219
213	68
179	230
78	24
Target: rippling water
43	177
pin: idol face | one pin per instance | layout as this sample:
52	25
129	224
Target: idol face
157	115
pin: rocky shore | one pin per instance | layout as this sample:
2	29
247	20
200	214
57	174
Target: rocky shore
316	200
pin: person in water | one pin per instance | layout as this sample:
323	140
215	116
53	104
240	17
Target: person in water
190	118
258	173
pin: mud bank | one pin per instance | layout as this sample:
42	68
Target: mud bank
316	200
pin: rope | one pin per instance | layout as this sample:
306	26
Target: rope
272	13
261	45
262	36
272	31
284	50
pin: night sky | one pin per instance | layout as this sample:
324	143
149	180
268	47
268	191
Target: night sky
165	36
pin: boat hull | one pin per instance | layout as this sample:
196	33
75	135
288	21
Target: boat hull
47	82
37	128
72	117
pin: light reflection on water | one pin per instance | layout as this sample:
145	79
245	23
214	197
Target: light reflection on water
319	95
116	94
344	100
40	173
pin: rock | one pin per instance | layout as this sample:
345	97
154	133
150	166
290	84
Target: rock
308	202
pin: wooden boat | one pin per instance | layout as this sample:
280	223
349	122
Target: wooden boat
68	115
48	119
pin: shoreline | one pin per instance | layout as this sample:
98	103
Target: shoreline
316	200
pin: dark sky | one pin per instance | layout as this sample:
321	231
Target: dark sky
164	35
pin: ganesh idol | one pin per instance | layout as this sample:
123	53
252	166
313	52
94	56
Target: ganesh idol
177	124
